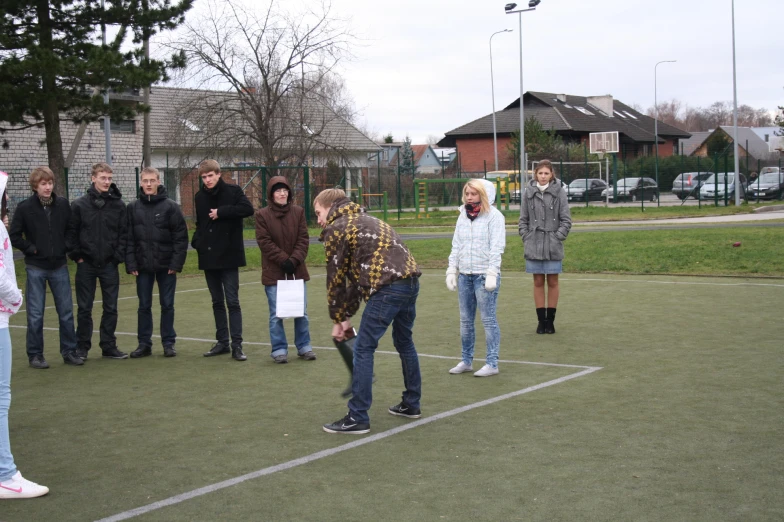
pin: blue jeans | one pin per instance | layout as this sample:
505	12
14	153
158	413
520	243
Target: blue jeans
167	284
7	466
225	284
278	340
471	292
393	304
109	278
35	293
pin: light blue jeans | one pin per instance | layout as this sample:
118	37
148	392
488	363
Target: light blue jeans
7	466
472	294
280	345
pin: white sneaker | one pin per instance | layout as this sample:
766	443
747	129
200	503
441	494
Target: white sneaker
19	487
461	368
486	371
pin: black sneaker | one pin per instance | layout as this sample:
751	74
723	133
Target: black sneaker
72	359
347	425
169	351
114	353
404	410
38	362
81	353
141	351
237	355
218	349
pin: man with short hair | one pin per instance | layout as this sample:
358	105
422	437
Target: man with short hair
367	259
38	230
155	251
96	237
220	209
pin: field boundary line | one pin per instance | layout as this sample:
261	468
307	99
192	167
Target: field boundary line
182	497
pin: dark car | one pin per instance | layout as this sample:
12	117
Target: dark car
634	189
688	184
769	185
585	189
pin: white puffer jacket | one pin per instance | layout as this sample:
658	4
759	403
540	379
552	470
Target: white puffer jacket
478	245
10	295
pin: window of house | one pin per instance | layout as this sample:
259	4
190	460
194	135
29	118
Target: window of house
121	126
583	110
619	114
767	138
630	115
190	125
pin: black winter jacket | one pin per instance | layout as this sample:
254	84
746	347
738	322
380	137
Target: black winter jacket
39	235
97	229
157	234
219	241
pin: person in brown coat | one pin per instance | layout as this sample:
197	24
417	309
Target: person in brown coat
282	235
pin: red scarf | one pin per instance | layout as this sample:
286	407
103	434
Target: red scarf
472	210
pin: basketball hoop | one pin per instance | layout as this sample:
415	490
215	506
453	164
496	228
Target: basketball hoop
600	153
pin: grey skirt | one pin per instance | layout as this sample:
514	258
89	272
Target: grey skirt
543	267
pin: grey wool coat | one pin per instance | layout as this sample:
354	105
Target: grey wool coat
545	221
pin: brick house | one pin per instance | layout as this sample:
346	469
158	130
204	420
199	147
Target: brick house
572	117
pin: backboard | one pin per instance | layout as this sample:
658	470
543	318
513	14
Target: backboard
603	142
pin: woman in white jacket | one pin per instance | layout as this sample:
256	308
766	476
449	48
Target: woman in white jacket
475	271
12	484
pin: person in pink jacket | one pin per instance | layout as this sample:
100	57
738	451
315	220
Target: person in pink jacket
12	484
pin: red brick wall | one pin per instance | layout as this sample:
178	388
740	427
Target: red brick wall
474	152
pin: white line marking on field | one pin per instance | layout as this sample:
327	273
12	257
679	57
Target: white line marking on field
646	281
339	449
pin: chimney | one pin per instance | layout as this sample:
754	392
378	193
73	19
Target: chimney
561	98
603	103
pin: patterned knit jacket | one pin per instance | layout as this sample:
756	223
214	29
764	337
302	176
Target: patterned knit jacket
363	254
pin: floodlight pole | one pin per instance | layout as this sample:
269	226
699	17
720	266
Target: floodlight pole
107	123
523	162
735	115
492	95
656	130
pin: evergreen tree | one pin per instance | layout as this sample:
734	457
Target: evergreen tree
52	61
718	143
407	157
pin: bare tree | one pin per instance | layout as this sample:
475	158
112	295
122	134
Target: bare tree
433	139
695	119
274	79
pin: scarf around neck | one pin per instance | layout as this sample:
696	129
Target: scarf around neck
45	201
472	210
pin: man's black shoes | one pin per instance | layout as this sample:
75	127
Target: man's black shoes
141	351
38	362
72	359
237	355
169	351
347	425
404	410
114	353
218	349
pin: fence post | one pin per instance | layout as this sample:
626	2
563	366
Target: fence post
699	185
264	186
67	195
399	201
137	181
306	181
386	218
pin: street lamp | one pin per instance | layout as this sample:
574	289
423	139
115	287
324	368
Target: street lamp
656	129
735	115
492	94
510	9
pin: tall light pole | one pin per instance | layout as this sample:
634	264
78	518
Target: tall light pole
735	115
492	94
656	129
510	8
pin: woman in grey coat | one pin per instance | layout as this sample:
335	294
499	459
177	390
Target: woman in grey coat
544	223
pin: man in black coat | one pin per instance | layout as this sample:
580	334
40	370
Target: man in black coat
155	251
96	238
220	209
38	230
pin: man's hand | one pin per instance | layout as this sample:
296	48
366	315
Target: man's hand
213	213
172	271
80	260
339	330
135	272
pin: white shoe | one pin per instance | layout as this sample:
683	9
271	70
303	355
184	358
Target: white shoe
461	368
486	371
19	487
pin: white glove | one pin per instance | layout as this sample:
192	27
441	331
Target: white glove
491	280
451	278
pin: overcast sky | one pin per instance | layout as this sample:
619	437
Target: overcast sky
423	66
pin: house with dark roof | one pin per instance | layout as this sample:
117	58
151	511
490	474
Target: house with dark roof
425	158
751	143
572	117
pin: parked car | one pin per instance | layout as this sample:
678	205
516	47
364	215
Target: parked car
689	184
633	189
726	183
515	193
585	189
769	185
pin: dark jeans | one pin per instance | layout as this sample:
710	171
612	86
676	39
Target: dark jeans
35	293
109	278
393	304
225	284
167	284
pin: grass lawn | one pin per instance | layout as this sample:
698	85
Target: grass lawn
682	422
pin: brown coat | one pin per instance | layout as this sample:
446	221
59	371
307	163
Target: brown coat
281	233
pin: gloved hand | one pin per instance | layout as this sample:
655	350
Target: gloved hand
288	266
491	280
451	278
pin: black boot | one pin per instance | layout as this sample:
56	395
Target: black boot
549	327
542	315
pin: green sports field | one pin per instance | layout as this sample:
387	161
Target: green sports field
658	399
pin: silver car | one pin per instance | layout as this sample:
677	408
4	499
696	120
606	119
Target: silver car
726	184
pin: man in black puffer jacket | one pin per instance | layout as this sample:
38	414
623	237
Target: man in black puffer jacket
96	238
156	249
38	230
